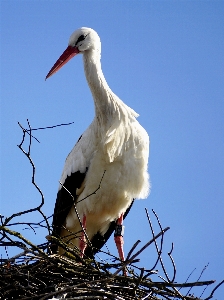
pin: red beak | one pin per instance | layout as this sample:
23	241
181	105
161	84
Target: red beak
63	59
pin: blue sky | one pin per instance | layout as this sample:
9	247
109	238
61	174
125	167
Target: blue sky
162	58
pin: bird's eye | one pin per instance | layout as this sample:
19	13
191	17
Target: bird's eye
81	38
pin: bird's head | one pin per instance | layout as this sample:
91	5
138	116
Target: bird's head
83	39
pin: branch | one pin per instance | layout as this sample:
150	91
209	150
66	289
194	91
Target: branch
27	154
19	236
213	291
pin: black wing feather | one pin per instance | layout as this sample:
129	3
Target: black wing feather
64	202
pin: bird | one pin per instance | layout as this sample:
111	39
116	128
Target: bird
107	170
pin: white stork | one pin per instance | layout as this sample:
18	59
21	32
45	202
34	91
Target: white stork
112	152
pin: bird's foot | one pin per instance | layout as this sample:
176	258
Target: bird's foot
82	243
119	241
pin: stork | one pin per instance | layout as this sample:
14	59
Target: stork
107	168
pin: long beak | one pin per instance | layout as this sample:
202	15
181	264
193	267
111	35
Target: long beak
63	59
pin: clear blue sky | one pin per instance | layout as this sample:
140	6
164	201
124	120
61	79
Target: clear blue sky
165	60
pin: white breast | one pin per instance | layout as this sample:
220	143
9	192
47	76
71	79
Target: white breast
122	180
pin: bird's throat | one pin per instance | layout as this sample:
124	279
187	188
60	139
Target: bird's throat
104	98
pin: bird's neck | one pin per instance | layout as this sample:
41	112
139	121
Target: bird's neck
113	117
104	99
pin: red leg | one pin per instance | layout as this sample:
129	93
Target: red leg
82	243
119	241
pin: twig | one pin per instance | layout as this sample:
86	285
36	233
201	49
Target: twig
93	193
132	249
213	291
18	235
53	126
159	252
205	267
24	133
173	263
27	154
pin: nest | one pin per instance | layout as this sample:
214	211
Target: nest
57	277
37	274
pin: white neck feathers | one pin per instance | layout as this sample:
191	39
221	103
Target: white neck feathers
112	115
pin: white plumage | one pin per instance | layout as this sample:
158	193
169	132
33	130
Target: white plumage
115	145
